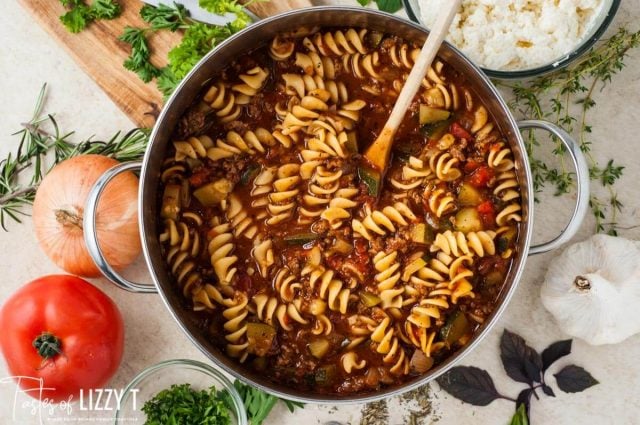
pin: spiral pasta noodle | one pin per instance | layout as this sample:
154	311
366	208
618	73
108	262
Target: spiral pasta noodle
222	100
282	201
472	243
234	144
235	326
382	222
337	43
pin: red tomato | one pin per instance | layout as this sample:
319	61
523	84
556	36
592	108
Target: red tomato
470	166
63	330
481	176
458	131
487	213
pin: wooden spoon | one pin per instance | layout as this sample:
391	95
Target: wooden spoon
378	153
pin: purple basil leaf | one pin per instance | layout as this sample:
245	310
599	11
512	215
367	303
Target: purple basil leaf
469	384
573	379
524	398
532	370
548	390
554	352
514	353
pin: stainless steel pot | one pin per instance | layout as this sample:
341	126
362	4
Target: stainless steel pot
212	65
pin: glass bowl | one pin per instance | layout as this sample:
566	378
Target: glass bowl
158	377
600	25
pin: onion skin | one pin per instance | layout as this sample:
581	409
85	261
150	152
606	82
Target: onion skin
58	210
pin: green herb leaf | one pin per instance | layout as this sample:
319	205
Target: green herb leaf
165	17
520	418
105	9
364	2
220	7
167	82
181	404
390	6
198	40
258	403
524	400
80	15
76	19
574	379
138	61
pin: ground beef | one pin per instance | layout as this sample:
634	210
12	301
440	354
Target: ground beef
376	245
397	243
290	357
193	122
233	168
322	227
457	151
237	126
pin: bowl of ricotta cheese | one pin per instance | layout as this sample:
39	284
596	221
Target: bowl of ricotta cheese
521	38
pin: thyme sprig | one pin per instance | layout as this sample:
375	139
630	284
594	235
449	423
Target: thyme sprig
42	146
566	97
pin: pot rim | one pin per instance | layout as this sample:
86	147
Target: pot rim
454	359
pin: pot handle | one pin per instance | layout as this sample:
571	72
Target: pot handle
582	173
91	233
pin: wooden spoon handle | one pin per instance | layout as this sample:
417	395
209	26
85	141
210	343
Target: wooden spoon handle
378	152
264	9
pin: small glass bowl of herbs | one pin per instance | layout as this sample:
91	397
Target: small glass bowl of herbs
181	392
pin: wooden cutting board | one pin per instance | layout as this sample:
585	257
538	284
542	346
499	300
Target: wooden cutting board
98	51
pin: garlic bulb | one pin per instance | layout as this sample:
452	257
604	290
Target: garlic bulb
593	289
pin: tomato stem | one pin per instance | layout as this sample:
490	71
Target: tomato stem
48	345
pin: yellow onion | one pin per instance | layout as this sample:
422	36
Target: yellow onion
58	211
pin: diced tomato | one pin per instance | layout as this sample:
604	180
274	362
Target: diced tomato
487	214
335	261
491	263
458	131
481	176
486	207
199	178
470	166
361	246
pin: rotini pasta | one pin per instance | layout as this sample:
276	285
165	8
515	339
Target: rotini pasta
300	259
459	244
382	222
223	102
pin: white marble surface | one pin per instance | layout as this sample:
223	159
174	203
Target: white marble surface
29	57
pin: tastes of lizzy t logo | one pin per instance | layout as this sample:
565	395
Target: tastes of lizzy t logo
32	399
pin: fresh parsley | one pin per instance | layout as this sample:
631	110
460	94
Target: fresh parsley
181	404
80	15
197	40
390	6
165	17
139	59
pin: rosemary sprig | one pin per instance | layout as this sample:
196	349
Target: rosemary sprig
42	146
566	97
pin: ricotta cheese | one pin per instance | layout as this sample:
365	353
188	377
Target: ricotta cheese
511	35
